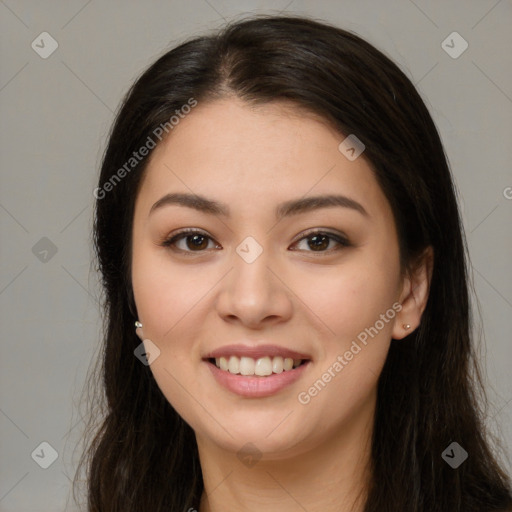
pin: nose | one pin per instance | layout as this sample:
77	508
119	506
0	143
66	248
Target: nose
254	294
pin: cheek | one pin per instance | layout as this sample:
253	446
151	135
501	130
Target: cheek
356	304
164	294
350	299
168	301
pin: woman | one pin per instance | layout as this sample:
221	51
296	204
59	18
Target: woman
287	312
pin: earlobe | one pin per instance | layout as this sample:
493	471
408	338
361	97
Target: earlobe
138	330
414	296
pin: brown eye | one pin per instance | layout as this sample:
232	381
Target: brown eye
196	242
319	241
189	241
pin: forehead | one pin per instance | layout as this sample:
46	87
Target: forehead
247	155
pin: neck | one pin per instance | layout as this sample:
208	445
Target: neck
332	475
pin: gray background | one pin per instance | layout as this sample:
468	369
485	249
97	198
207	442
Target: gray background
56	113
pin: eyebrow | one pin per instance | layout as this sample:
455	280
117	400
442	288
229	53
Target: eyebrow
286	209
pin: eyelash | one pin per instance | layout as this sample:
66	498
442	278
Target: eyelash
169	242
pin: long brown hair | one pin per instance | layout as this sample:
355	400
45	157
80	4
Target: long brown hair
142	456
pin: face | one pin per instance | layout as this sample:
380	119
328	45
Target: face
265	275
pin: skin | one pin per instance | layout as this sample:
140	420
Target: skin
313	455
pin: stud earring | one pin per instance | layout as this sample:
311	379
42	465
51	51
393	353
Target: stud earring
406	326
138	325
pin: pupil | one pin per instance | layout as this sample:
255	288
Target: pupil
322	242
198	241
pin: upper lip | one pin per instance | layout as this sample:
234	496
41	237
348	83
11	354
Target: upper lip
255	352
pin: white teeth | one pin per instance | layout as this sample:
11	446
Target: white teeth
261	367
277	364
247	366
234	364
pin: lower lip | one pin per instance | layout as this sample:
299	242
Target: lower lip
257	387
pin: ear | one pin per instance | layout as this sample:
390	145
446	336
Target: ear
139	333
414	295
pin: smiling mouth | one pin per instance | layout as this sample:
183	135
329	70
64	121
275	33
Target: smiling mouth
261	367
